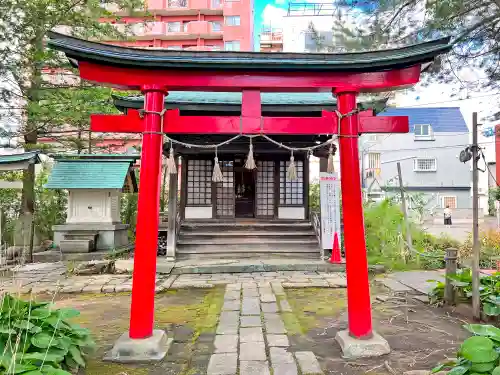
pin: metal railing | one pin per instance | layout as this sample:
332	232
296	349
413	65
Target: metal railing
316	222
177	3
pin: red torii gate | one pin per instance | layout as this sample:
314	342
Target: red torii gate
156	72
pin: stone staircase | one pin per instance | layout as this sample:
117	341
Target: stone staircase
247	239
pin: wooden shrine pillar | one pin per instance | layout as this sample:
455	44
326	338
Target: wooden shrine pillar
148	212
358	284
172	216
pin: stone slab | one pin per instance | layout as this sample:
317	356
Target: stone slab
285	369
254	368
250	306
394	285
267	297
417	280
223	364
277	340
251	334
354	348
252	351
250	321
226	343
128	350
269	307
231	305
308	363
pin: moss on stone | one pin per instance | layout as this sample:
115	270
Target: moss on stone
308	304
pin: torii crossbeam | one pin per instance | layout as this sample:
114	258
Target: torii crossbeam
157	72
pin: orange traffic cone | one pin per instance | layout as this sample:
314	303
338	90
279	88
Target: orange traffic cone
336	257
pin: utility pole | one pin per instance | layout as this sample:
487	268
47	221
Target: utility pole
476	303
405	212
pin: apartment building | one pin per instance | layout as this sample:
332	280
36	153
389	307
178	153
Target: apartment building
199	25
271	39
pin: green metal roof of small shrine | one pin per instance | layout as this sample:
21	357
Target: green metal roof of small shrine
107	171
30	157
369	61
292	99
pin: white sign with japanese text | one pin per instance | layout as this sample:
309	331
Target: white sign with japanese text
329	187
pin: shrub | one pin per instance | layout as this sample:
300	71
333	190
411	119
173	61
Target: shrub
37	339
462	284
477	354
490	247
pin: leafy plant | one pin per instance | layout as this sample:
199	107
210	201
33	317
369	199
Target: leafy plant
478	354
489	290
39	340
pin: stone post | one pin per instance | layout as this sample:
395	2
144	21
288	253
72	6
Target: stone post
451	269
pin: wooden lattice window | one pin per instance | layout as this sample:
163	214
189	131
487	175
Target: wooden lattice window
292	191
265	188
225	190
199	182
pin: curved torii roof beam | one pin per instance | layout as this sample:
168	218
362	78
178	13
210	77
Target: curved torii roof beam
132	68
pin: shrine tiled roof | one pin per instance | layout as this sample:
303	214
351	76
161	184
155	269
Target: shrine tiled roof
91	172
369	61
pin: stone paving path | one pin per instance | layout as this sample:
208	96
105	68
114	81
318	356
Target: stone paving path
251	336
51	277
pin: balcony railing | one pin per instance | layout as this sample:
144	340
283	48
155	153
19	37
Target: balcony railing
177	3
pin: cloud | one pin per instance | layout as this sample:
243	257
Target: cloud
280	2
273	16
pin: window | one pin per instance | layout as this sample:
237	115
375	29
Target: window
292	192
232	45
216	3
450	201
174	48
233	20
173	27
423	132
425	165
374	160
199	182
185	26
216	26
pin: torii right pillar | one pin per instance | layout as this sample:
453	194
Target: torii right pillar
359	340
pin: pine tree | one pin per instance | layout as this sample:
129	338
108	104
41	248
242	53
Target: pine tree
51	108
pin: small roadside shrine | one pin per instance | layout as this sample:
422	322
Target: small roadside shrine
94	184
155	73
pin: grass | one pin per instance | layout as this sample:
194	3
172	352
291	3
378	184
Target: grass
309	304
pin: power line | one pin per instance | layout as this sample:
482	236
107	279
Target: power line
449	101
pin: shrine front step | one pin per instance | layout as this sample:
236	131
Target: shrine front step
247	239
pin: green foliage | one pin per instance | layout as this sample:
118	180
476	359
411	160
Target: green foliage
490	248
314	204
129	212
493	195
489	290
478	354
38	339
385	239
50	206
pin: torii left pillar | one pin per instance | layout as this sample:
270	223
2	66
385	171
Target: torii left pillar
142	343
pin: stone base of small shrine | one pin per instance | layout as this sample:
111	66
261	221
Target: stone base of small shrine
353	348
103	237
